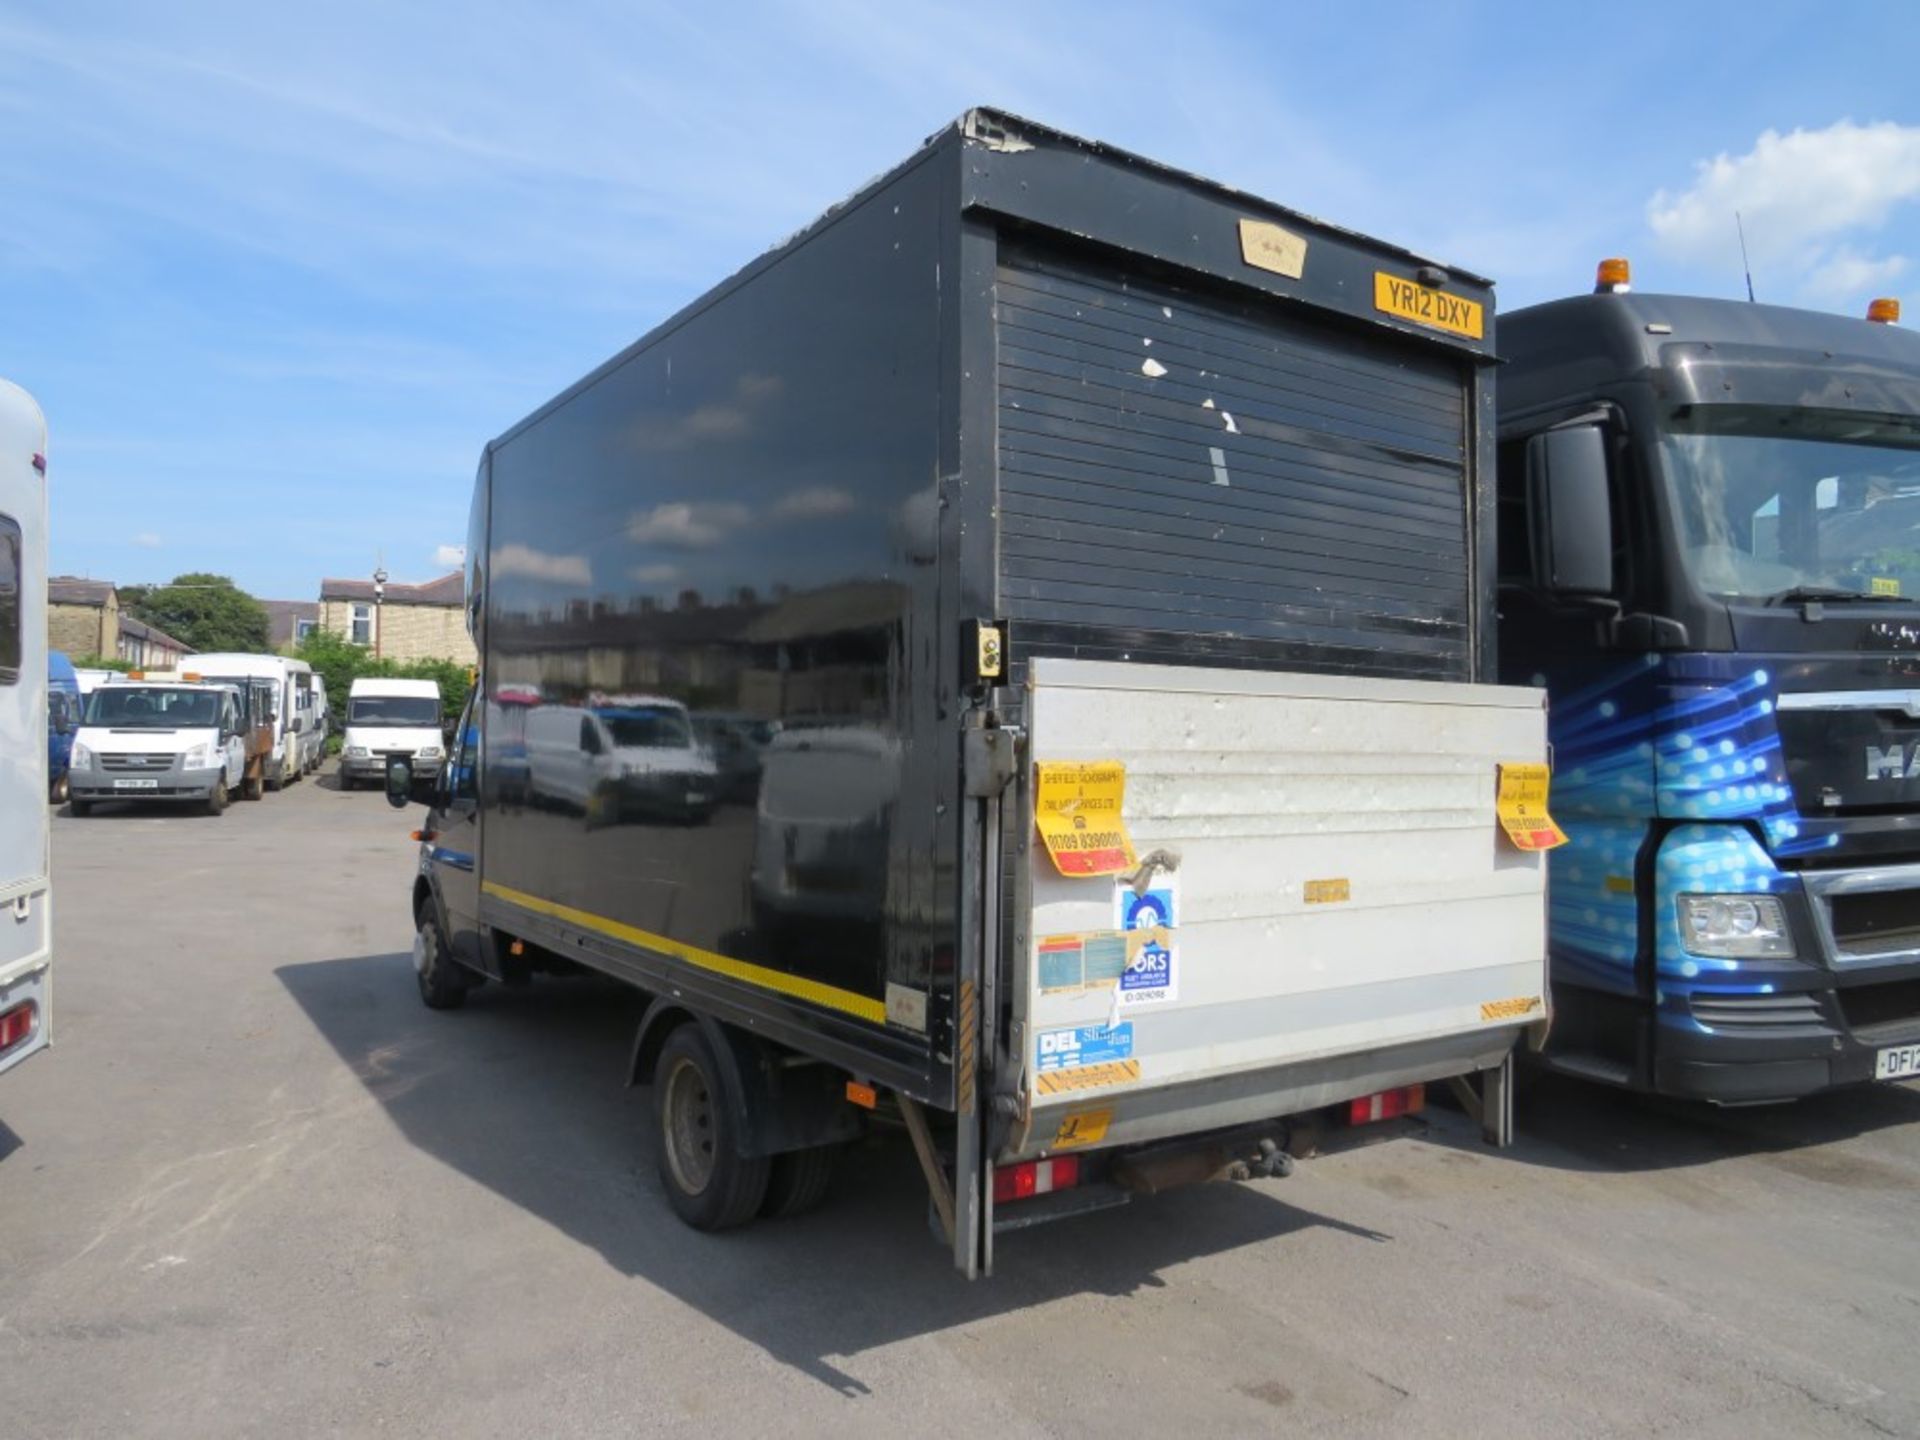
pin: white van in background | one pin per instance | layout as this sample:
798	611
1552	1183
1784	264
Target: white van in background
26	891
391	717
179	741
293	704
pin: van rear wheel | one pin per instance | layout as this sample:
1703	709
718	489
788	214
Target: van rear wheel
252	788
708	1182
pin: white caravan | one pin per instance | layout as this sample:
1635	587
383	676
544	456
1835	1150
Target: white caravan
391	717
26	893
293	719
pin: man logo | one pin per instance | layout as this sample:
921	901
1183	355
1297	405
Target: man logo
1893	763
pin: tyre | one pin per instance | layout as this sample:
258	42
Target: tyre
217	797
442	987
252	788
708	1183
79	809
276	778
57	793
799	1181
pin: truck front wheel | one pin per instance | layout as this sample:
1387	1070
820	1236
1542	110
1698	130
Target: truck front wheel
217	798
441	984
709	1183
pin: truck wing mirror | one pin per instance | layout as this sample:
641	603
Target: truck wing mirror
404	787
1572	521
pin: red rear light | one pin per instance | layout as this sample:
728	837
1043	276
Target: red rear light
16	1025
1387	1105
1035	1177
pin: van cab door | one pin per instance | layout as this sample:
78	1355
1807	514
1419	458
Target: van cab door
453	854
233	742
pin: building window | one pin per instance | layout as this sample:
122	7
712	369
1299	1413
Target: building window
303	628
362	633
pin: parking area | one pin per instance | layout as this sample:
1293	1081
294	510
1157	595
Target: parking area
256	1188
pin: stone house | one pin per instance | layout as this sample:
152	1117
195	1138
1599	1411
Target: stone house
84	618
409	622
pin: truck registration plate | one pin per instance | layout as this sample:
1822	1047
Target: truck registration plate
136	784
1898	1062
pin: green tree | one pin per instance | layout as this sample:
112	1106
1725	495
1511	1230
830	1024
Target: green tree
340	662
207	612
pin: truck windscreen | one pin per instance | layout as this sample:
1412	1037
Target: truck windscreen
414	710
1795	504
128	707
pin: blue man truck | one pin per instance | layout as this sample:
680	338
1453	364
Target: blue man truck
1709	540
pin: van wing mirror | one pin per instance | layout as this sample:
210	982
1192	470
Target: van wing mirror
1572	519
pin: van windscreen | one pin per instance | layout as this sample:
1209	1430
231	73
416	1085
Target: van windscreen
134	707
393	710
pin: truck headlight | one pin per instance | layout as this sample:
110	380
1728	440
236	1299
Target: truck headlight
81	758
1735	926
197	757
428	752
358	752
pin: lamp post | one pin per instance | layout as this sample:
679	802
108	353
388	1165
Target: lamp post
379	595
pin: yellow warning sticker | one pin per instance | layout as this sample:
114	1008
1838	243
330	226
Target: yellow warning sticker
1327	892
1083	1127
1885	585
1077	808
1619	884
1522	805
1509	1009
1086	1077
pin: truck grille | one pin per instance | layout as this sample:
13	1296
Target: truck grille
1760	1014
1876	922
136	764
1889	1008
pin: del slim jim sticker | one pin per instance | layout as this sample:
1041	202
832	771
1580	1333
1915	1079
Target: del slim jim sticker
1077	807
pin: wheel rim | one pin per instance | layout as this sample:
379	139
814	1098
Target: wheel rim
687	1118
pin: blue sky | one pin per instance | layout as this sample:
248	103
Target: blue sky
276	273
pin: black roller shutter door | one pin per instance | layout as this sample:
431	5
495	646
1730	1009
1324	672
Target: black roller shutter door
1186	479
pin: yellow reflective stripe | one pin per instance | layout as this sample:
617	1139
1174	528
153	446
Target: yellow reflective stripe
861	1007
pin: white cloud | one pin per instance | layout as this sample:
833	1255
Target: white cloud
1807	199
1846	273
147	540
686	525
816	502
530	564
654	574
450	557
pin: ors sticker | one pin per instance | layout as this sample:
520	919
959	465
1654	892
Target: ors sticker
1521	801
1884	585
1077	809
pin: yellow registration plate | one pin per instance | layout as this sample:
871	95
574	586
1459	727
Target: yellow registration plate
1424	305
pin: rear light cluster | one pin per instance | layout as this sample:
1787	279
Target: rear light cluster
1035	1177
16	1026
1387	1105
